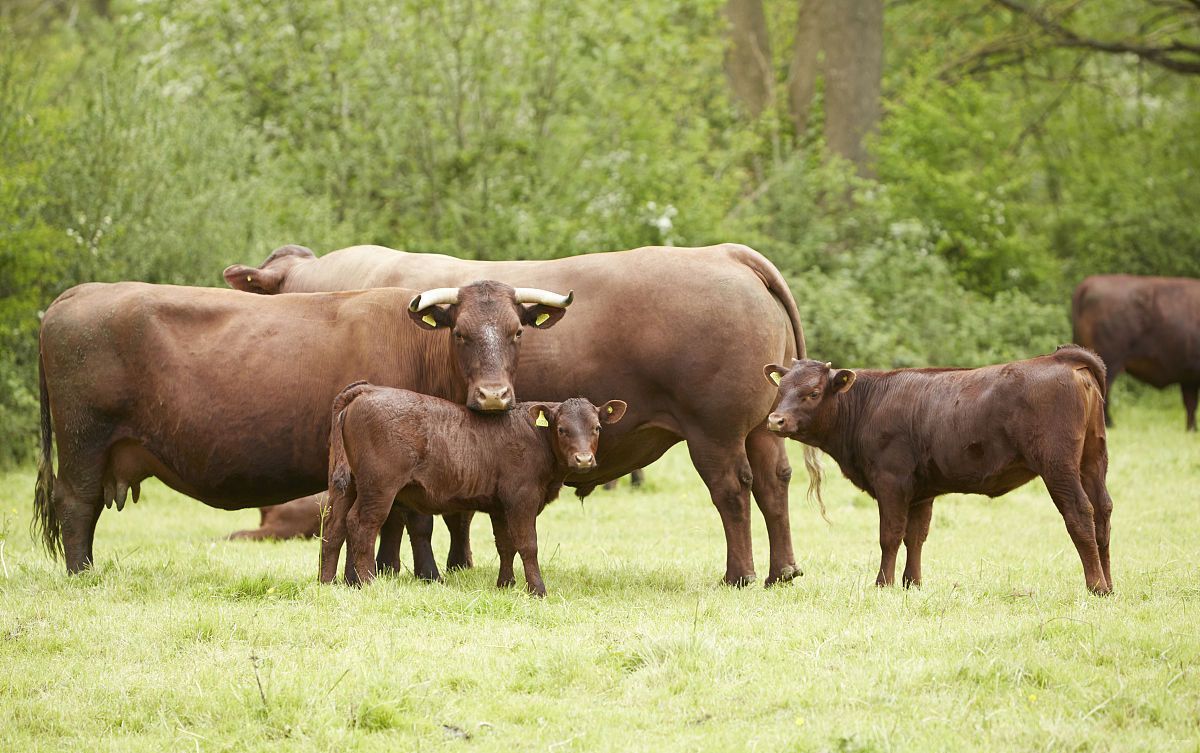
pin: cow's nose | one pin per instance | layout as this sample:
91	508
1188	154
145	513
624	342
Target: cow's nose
584	460
775	422
495	397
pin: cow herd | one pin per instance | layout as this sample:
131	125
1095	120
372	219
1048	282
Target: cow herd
390	380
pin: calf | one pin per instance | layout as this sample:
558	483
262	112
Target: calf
433	456
297	519
909	435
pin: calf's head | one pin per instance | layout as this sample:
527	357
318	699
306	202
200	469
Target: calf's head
269	278
574	428
808	395
485	321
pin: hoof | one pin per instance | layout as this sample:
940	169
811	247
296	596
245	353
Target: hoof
452	565
506	583
786	575
739	581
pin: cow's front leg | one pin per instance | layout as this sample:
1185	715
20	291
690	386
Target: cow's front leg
914	538
726	472
893	502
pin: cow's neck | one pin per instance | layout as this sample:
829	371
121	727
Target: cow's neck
839	437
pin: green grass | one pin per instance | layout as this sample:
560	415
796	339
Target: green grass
181	641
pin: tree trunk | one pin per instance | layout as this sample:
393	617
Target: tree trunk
853	44
748	59
804	68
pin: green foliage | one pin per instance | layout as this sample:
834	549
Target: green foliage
173	137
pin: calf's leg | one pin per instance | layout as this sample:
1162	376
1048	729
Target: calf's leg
1189	403
522	530
915	533
771	473
1067	492
420	537
893	498
459	526
391	536
506	551
726	472
333	531
363	524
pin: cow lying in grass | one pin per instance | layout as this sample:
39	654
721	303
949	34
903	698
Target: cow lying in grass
909	435
435	457
297	519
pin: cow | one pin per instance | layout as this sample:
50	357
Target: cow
296	519
1148	326
907	436
225	396
677	332
431	455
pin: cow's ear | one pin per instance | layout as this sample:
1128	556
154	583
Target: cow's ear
253	279
431	317
842	380
540	316
540	414
774	373
612	411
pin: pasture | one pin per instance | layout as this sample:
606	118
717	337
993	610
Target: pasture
178	640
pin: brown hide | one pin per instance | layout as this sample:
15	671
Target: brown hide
226	396
1147	326
678	333
298	519
908	436
434	457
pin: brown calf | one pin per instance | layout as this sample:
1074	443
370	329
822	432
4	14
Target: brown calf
433	456
909	435
297	519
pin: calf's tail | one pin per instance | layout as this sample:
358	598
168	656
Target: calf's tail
1090	360
45	521
339	466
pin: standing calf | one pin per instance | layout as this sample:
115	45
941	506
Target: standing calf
909	435
435	457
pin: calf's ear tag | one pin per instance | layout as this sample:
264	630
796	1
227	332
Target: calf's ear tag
610	409
541	319
428	319
249	278
775	377
541	419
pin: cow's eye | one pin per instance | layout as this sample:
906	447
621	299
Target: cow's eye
814	394
595	429
459	337
562	431
517	336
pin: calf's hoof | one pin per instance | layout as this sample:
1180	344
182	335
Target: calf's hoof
503	582
458	563
538	591
1101	589
786	575
739	581
387	567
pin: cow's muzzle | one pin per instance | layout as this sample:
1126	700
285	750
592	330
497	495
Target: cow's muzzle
776	421
582	461
493	398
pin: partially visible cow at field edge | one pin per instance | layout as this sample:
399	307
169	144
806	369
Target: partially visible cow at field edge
297	519
1148	326
679	333
908	436
434	456
225	396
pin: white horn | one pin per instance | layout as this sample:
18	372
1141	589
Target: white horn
434	297
829	364
544	297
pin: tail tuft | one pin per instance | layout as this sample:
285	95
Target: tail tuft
45	524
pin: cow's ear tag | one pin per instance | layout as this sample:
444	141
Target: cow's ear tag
775	377
249	278
610	410
428	319
541	419
541	319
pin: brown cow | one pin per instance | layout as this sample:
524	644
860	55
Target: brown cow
908	436
434	456
1148	326
298	519
644	317
225	396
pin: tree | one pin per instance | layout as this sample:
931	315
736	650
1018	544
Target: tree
748	58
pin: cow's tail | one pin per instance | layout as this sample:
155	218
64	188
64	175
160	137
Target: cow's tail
339	466
1080	332
45	519
1089	359
778	287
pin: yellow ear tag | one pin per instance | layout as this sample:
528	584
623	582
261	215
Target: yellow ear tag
541	419
541	319
610	409
428	319
775	377
249	278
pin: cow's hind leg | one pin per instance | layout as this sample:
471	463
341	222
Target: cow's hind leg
391	536
459	526
771	473
726	472
915	534
78	503
1190	393
1095	471
362	528
1066	490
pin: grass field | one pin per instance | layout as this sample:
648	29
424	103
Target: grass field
181	641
